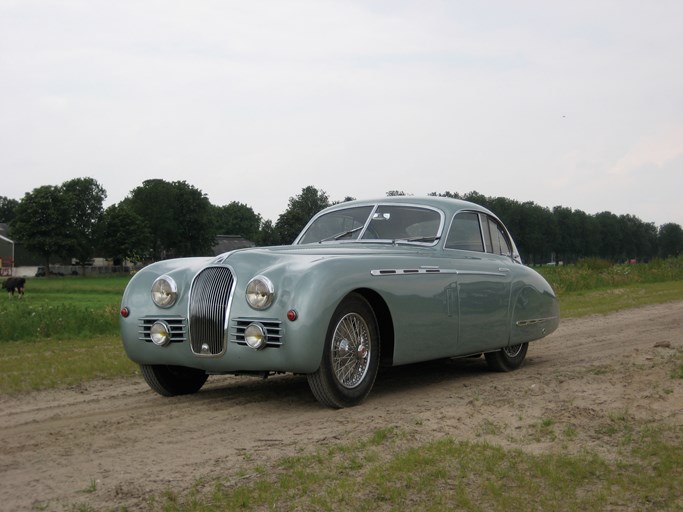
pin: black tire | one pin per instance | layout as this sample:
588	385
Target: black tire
350	358
173	380
508	358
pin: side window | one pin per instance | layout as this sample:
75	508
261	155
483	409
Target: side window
465	233
499	240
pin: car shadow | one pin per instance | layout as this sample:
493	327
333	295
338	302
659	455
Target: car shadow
406	378
293	390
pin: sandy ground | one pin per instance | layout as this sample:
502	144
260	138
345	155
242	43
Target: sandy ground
112	444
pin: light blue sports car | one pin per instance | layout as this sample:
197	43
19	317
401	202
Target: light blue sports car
388	282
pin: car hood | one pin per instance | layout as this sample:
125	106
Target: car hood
286	259
264	259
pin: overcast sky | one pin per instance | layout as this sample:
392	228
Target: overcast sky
578	104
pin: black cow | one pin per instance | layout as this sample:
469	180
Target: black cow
15	284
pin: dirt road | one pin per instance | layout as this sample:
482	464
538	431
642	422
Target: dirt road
114	443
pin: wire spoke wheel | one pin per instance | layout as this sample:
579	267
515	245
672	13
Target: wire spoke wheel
350	358
508	358
513	351
351	350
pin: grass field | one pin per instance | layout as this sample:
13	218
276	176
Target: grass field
72	337
62	333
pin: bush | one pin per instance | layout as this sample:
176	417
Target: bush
594	273
597	264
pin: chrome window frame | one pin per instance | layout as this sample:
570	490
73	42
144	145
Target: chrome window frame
375	206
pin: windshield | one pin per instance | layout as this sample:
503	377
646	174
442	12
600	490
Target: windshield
396	223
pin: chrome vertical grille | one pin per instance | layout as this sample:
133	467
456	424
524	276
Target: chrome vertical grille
209	300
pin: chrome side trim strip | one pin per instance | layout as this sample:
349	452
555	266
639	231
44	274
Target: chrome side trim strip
481	273
410	271
413	271
535	321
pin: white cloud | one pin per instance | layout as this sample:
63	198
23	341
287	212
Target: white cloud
652	150
252	101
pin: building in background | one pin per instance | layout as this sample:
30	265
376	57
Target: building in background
6	256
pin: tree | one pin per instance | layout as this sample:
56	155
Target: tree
589	233
84	198
536	232
267	235
639	239
566	244
345	200
611	244
7	209
299	211
452	195
670	240
124	235
196	230
153	202
178	216
237	219
41	223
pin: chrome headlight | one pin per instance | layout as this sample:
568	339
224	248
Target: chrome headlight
255	336
164	292
260	292
160	333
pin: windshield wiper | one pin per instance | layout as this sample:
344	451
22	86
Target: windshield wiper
418	239
341	235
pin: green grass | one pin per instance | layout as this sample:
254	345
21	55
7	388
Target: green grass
448	474
60	363
62	333
79	291
598	287
607	300
63	308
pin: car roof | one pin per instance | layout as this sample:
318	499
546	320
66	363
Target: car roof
448	205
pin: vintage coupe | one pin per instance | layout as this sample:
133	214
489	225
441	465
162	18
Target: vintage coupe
389	282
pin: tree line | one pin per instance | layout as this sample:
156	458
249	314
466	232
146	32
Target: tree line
563	234
161	219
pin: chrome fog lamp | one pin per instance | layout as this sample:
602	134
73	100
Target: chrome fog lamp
255	336
160	333
260	292
164	292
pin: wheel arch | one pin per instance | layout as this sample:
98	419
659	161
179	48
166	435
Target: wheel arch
385	324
